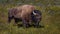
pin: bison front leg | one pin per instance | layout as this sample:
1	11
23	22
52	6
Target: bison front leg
25	23
36	23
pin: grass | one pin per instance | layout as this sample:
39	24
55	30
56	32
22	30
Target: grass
51	22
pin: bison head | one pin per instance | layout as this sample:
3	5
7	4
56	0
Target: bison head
37	14
36	17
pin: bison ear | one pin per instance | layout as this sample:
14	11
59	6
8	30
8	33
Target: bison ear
34	13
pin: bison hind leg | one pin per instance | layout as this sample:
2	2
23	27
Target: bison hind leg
16	20
9	19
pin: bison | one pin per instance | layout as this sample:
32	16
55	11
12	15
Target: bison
26	13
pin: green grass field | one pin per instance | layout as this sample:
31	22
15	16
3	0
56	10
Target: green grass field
50	21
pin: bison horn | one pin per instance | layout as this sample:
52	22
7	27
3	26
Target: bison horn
34	13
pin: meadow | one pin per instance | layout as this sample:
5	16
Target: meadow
50	19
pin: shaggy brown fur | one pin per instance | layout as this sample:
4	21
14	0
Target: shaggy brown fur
22	12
